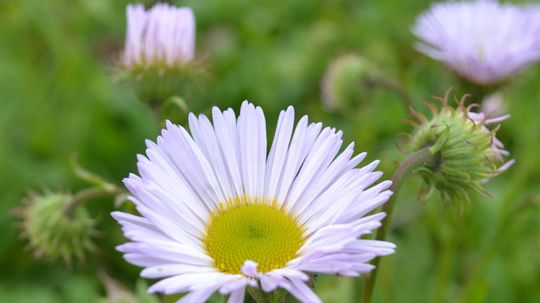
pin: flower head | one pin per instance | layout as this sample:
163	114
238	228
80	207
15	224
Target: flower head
54	233
220	214
159	50
483	41
467	152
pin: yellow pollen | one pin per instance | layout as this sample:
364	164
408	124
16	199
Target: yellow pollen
252	229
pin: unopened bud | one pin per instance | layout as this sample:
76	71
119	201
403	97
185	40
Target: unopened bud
467	152
54	233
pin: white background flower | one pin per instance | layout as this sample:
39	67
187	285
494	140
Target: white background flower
162	35
483	41
187	181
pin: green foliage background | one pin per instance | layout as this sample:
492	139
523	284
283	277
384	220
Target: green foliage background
57	98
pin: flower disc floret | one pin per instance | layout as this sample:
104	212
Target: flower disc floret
261	232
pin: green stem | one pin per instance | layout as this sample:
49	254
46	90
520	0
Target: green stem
392	85
88	194
256	294
280	296
277	296
446	261
506	215
422	157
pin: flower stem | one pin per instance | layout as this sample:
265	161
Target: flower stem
422	157
392	85
507	213
453	229
89	194
256	294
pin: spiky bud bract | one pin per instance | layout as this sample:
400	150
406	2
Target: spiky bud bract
466	151
54	233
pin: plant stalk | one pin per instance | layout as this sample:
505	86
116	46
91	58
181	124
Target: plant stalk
88	194
422	157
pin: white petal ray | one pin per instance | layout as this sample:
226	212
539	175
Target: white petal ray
302	141
237	296
169	200
302	292
189	282
278	152
252	146
191	163
138	228
205	136
226	131
341	164
175	183
199	295
315	165
167	270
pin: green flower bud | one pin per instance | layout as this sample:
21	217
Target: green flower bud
466	152
344	83
54	231
155	84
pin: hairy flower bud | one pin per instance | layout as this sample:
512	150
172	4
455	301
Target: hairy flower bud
53	232
343	84
467	152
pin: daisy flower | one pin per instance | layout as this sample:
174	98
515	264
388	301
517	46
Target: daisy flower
482	41
219	213
163	35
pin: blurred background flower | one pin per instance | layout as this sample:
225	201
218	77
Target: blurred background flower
162	36
483	41
159	51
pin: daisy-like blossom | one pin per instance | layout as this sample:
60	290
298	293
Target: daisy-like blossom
219	213
483	41
163	35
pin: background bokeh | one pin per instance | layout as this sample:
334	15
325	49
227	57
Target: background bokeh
57	98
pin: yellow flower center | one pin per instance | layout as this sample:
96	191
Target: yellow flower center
251	229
